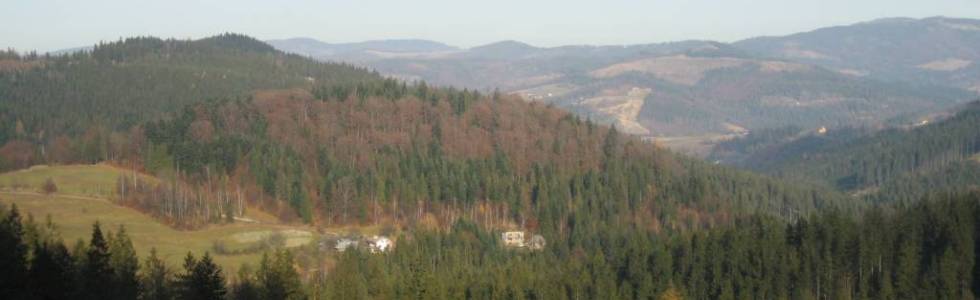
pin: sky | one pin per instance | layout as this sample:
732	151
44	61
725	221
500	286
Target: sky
48	25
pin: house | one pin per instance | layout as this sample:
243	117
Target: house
379	244
513	239
346	243
537	243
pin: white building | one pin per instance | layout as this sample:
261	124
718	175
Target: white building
513	238
379	244
345	243
537	242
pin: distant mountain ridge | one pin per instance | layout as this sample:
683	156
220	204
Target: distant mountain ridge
937	50
356	51
694	88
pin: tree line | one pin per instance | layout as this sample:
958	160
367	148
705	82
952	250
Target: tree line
927	251
36	264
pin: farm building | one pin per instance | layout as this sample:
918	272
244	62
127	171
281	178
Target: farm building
537	242
374	244
379	244
513	239
346	243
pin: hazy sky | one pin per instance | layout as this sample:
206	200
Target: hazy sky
46	25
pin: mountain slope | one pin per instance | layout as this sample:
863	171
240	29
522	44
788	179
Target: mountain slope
340	145
942	51
119	85
417	155
891	165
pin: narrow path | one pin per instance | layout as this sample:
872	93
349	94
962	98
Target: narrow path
55	194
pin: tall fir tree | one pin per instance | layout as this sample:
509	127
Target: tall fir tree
202	280
156	281
13	254
98	280
125	264
52	272
277	277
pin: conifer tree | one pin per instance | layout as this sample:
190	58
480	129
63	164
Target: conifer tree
277	278
156	282
124	262
202	280
13	254
52	272
245	286
97	274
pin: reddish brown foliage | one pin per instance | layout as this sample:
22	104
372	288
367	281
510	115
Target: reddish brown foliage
354	130
17	154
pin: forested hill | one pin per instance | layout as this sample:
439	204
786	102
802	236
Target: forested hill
121	84
898	164
226	117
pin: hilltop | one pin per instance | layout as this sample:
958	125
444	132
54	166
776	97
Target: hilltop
119	85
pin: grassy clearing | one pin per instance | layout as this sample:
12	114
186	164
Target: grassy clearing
75	216
697	146
976	157
83	180
81	200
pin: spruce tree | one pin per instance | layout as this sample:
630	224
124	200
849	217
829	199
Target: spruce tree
97	273
156	282
277	278
13	255
202	279
51	274
124	262
245	287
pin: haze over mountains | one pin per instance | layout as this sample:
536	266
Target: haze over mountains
882	72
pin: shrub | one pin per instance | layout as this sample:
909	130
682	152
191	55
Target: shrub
48	187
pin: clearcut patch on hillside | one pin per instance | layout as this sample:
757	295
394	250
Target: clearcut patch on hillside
623	107
680	69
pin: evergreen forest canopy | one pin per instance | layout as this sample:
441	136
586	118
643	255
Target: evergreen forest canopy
927	251
898	165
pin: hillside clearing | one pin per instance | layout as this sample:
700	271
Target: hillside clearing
74	217
83	198
84	180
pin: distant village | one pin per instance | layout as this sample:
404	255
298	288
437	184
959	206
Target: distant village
373	244
516	239
383	244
